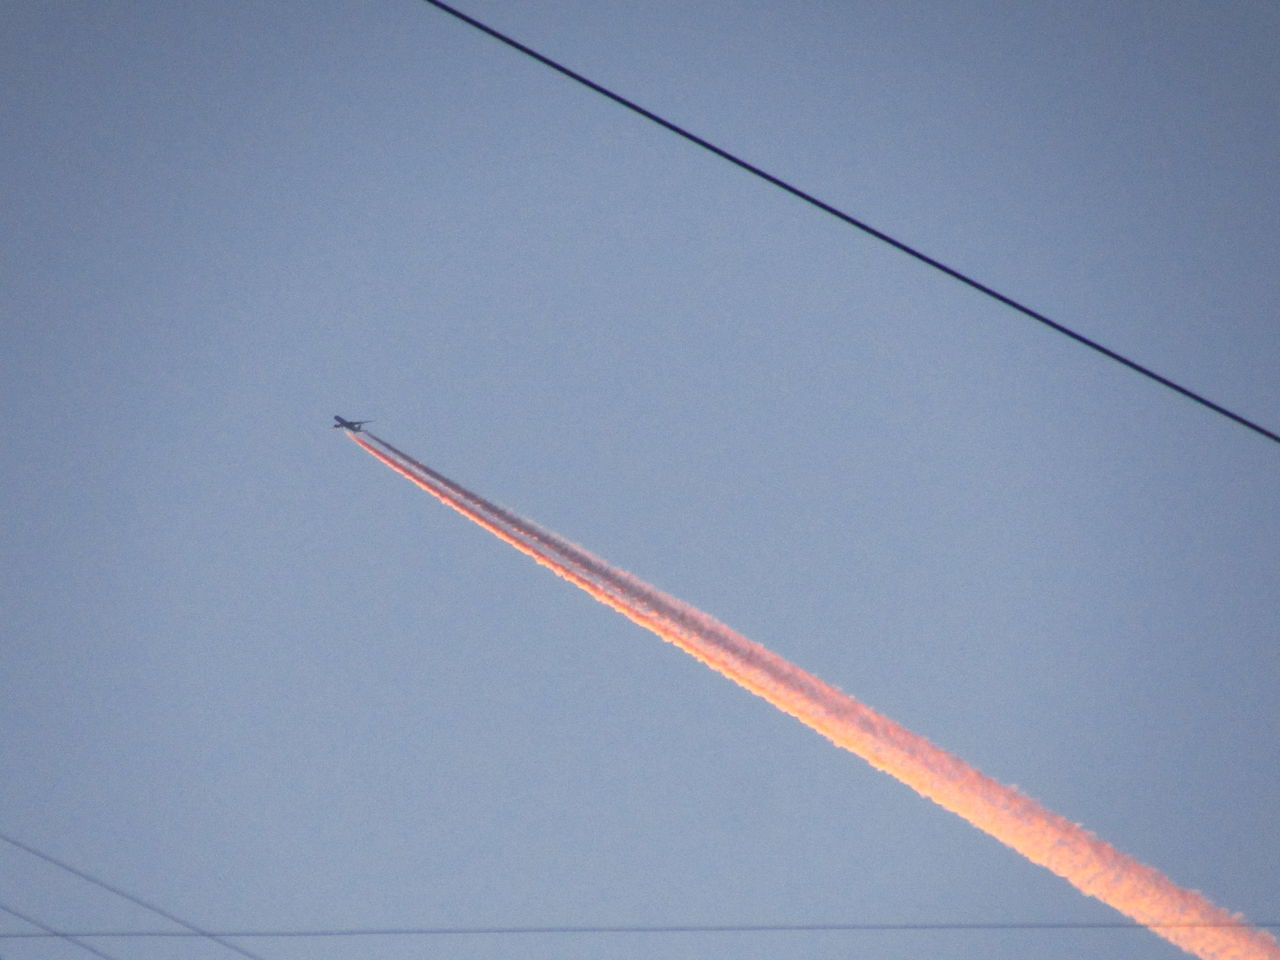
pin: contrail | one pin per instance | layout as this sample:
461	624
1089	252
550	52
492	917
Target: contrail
1183	917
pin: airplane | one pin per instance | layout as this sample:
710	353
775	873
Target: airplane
352	425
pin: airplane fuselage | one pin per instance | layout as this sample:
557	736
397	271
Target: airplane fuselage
352	425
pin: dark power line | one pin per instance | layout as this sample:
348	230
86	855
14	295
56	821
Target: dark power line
859	224
639	929
194	930
48	931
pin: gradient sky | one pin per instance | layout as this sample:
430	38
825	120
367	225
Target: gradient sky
254	677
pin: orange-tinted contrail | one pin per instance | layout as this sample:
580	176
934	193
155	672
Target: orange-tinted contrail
1183	917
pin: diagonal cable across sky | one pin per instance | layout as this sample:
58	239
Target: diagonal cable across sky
862	225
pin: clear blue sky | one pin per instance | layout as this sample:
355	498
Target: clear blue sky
251	675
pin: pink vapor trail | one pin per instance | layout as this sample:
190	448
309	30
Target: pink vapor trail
1183	917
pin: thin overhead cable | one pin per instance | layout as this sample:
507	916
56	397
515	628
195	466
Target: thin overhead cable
192	928
670	929
859	224
48	931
